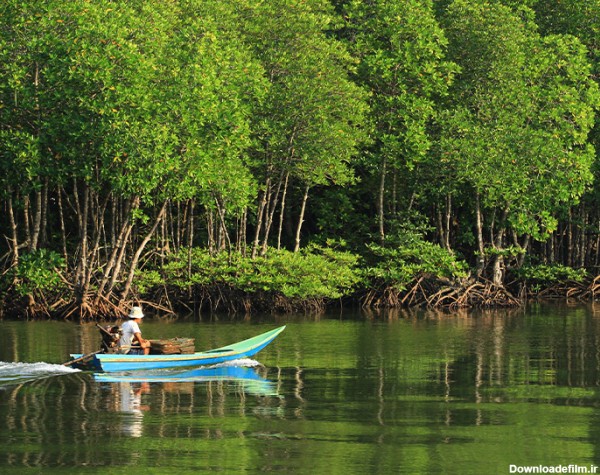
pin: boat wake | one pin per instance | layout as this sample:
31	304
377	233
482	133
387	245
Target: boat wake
242	362
13	373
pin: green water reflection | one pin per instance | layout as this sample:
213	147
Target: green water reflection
390	393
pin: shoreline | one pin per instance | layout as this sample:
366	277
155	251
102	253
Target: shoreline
427	292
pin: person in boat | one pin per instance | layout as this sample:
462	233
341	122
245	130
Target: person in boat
131	335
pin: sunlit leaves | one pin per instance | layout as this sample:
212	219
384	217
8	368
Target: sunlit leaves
402	61
523	108
311	122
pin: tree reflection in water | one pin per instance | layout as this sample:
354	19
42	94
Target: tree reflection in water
80	419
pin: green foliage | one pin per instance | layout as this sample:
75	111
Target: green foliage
509	251
232	111
37	272
312	121
520	116
548	274
407	257
314	273
402	61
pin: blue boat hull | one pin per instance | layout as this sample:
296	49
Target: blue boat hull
247	378
243	349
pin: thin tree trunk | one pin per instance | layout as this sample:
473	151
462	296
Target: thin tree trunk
82	266
37	222
166	242
119	245
440	225
597	258
119	261
259	217
140	249
551	253
94	254
301	219
190	235
13	229
63	230
523	246
395	192
570	239
211	232
76	206
498	269
113	223
479	234
283	197
178	232
582	234
225	235
26	220
381	202
447	221
270	215
172	231
44	223
241	244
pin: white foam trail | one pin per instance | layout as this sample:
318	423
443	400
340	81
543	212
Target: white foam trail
19	371
246	362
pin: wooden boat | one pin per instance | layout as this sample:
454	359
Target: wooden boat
112	362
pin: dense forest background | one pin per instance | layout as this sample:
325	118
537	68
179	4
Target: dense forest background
242	154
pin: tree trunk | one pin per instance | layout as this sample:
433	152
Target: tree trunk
259	217
301	219
582	237
498	269
116	272
82	265
63	230
440	225
381	202
241	236
210	232
44	220
178	232
447	222
570	239
270	215
171	232
597	258
26	220
479	234
13	230
395	192
225	235
190	236
94	254
283	197
121	242
140	249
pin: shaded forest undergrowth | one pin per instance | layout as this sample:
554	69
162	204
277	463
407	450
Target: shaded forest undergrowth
413	274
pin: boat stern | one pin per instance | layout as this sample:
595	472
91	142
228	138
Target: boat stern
87	364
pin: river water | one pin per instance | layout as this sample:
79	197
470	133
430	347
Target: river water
344	393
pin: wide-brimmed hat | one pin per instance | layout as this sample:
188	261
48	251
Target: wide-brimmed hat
136	312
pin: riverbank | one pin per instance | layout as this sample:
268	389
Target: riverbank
309	281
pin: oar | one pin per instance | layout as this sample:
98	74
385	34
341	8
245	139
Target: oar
82	358
104	330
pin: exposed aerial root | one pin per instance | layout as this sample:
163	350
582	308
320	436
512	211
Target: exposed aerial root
436	293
